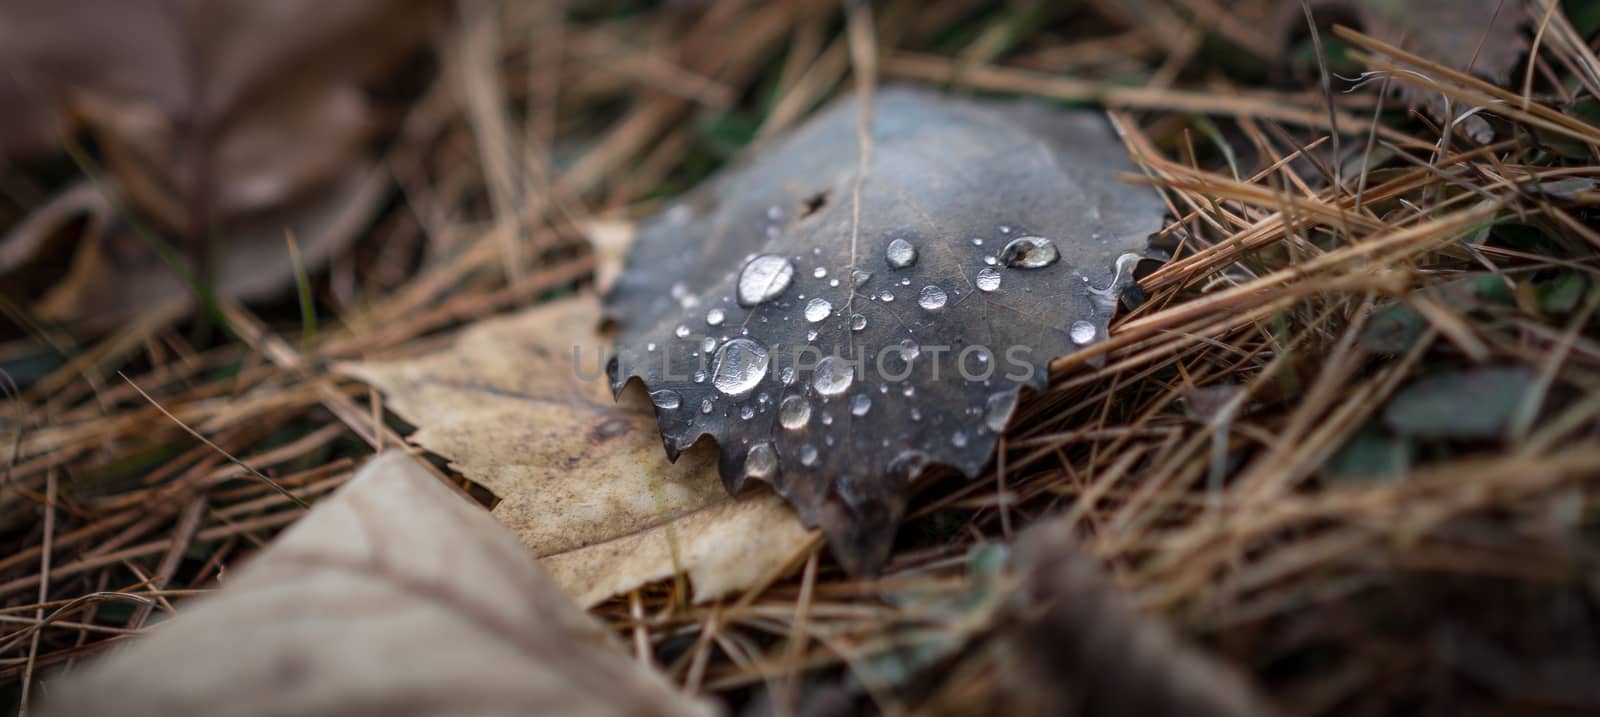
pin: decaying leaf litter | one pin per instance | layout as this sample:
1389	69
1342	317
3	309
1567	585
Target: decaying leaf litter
1455	580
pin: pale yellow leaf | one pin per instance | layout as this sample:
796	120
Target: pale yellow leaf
582	479
393	597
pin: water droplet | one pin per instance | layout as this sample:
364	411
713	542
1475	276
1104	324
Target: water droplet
909	349
714	317
1082	332
916	414
818	309
761	462
833	282
811	335
900	254
998	409
827	419
819	272
1005	229
708	344
860	405
832	376
808	455
787	375
988	279
991	261
886	297
958	439
774	212
741	364
859	277
650	346
747	412
705	405
764	278
932	298
1029	253
665	398
857	322
699	377
681	332
794	412
977	241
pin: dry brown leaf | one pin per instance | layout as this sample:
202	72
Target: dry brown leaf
582	479
245	116
393	597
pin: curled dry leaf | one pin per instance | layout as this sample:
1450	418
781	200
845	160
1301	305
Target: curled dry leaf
519	404
228	123
1081	648
393	597
835	350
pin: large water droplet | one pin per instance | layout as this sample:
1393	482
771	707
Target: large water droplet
741	364
988	279
857	322
808	455
818	309
761	462
1082	332
794	412
860	405
998	409
1029	253
833	376
764	278
714	317
900	254
932	298
665	398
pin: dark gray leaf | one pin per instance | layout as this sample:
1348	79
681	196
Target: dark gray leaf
1471	403
989	241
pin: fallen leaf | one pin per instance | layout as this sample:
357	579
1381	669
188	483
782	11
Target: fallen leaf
1080	647
1460	404
392	597
222	123
520	405
836	360
1455	33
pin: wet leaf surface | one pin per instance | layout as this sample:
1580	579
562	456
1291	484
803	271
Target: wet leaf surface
580	477
837	358
392	597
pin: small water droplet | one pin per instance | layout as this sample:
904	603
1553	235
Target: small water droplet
708	344
761	462
886	297
774	212
857	322
650	346
909	349
859	277
699	377
916	414
705	405
1004	229
794	412
958	439
764	278
988	279
714	317
819	272
833	282
740	365
1029	253
811	335
900	253
833	376
747	412
1082	332
932	298
808	455
827	418
998	409
976	241
860	405
787	375
681	332
818	309
665	398
991	261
